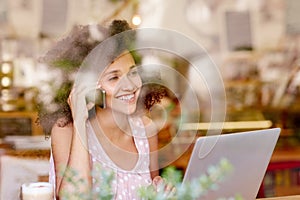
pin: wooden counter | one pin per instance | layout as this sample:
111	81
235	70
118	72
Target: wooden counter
283	198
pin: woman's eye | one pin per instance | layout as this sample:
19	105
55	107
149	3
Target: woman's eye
133	73
113	78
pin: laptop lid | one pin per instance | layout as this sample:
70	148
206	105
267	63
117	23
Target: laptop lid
248	152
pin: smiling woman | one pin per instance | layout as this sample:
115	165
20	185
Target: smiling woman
122	84
116	135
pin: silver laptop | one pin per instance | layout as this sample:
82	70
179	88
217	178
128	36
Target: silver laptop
249	154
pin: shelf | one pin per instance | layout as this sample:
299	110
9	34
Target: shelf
19	123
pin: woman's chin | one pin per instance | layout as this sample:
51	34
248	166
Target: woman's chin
126	109
131	110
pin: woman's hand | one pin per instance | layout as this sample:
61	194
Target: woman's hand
79	109
161	184
78	104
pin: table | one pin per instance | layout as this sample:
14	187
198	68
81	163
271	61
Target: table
295	197
21	166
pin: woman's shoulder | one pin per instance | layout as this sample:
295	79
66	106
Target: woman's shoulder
150	127
61	128
61	137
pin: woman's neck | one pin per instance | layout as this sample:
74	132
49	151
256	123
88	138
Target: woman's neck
112	122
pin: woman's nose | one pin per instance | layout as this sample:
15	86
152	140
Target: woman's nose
128	84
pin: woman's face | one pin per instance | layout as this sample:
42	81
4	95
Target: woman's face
122	84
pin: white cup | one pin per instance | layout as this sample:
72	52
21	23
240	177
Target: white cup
37	191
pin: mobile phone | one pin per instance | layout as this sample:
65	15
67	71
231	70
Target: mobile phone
97	97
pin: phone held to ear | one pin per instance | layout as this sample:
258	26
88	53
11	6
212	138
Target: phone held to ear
97	97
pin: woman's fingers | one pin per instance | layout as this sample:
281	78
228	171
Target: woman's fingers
169	190
169	187
172	192
90	105
77	103
156	180
161	184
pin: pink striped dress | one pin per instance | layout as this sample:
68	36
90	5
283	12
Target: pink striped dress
126	182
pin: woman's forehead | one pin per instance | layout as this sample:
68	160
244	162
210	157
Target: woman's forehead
124	61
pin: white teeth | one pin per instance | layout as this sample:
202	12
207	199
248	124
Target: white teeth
126	97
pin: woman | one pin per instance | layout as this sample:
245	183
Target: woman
113	136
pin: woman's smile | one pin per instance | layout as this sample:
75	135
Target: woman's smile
127	98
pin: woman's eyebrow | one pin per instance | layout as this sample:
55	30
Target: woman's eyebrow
117	70
132	67
111	72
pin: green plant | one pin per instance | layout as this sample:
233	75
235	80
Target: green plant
103	192
187	191
191	190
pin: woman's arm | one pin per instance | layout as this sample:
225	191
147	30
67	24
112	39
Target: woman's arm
151	131
78	159
153	156
61	138
69	152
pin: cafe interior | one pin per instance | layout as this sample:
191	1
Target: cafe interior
253	45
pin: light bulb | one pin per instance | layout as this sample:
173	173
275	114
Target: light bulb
6	68
5	81
136	20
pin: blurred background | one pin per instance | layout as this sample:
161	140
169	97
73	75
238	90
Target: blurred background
254	43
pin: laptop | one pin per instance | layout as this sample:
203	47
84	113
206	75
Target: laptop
249	154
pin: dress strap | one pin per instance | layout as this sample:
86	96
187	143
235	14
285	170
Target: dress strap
137	127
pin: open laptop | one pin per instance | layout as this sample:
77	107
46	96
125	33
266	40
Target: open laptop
248	152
